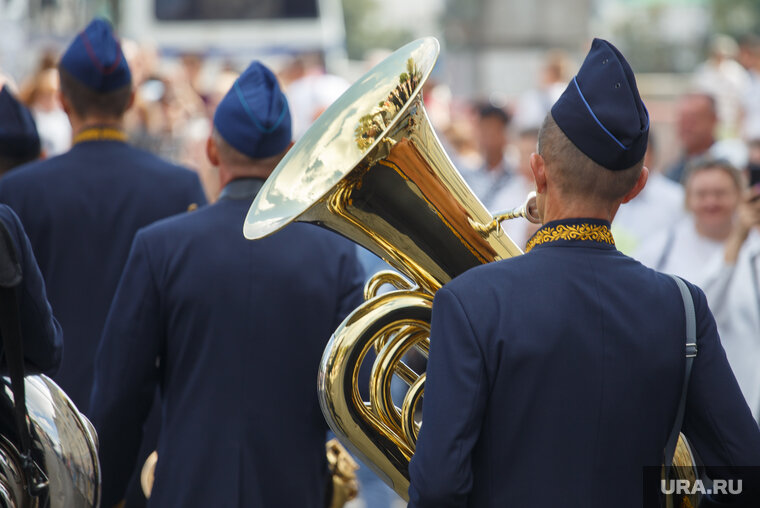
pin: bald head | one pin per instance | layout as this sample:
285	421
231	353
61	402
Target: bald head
697	119
234	164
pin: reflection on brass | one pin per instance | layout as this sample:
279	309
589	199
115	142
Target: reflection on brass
685	470
376	122
343	470
148	474
382	278
372	169
63	444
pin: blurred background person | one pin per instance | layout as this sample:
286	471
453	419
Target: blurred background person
726	80
310	91
657	208
19	141
732	285
496	168
750	51
713	190
696	124
515	192
533	105
41	94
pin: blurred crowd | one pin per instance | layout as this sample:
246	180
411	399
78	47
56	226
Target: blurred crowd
698	216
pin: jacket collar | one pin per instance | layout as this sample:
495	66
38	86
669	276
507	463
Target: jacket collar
242	188
99	133
574	232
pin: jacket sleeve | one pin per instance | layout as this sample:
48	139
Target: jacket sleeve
126	371
455	398
42	335
718	422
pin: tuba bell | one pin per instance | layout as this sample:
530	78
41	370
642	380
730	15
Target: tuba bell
63	448
372	169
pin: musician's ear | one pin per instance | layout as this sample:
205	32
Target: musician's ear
212	151
538	167
640	183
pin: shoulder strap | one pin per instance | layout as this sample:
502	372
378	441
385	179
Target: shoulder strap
691	353
10	329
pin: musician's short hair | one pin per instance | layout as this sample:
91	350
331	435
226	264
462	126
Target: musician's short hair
234	158
86	101
228	153
576	174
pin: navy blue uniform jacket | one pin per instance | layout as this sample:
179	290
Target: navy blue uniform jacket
42	336
81	211
554	378
240	327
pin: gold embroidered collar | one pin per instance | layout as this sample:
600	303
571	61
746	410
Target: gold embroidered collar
553	232
100	134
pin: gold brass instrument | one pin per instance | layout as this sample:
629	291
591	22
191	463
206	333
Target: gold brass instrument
372	169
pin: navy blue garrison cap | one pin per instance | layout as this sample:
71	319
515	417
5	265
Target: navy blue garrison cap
601	111
254	117
95	59
18	133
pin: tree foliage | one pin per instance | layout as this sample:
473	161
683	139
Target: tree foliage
736	17
367	29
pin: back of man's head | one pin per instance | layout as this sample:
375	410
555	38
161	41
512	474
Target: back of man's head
252	124
95	77
19	141
575	174
595	138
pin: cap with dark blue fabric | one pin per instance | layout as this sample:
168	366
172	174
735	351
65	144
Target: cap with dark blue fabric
18	132
254	117
95	59
601	111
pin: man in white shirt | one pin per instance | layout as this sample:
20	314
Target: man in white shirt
696	125
516	190
713	192
732	285
496	170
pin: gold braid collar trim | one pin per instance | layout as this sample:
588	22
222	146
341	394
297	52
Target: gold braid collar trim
595	232
100	134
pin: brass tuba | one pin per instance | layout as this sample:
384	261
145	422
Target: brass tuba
372	169
63	447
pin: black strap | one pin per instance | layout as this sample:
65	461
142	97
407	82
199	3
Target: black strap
10	328
691	353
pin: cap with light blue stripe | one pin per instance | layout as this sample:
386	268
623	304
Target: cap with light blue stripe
601	110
